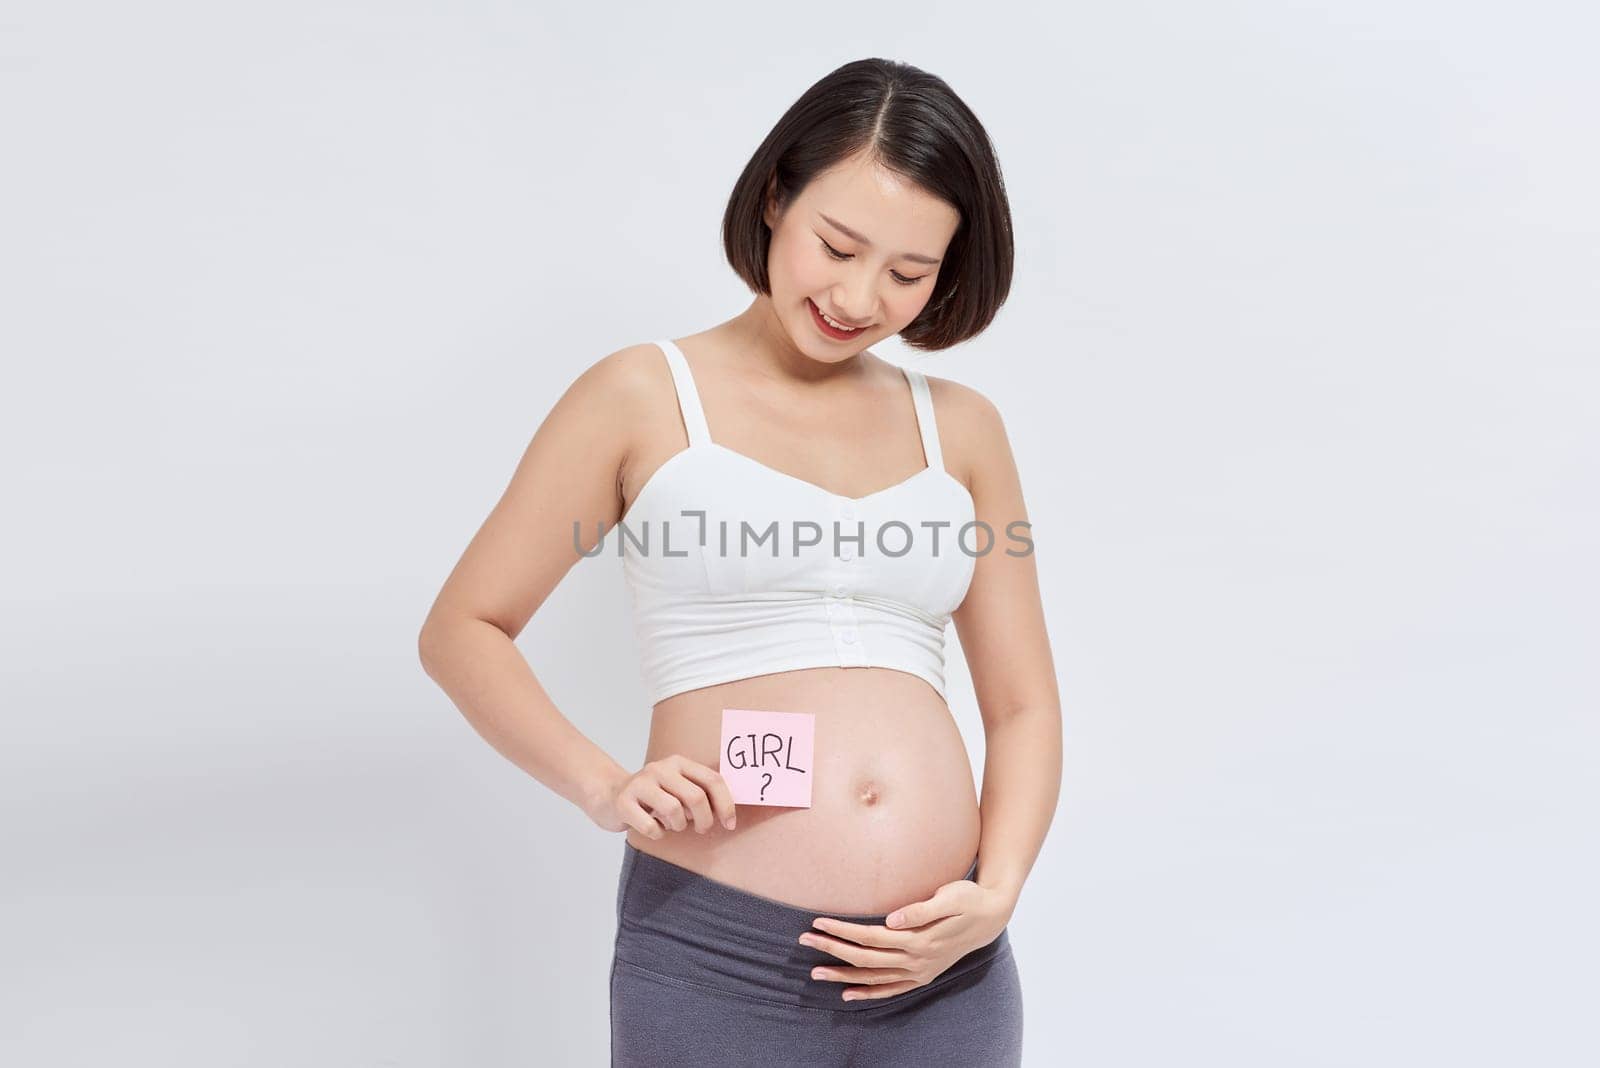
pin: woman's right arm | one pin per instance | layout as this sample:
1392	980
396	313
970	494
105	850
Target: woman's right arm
569	473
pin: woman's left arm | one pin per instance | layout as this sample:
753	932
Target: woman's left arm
1002	630
1001	626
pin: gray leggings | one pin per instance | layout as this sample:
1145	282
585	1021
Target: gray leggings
707	974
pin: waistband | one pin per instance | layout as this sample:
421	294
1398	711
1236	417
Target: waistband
684	927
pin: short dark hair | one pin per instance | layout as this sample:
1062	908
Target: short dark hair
913	124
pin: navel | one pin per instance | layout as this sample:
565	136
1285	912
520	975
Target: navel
869	793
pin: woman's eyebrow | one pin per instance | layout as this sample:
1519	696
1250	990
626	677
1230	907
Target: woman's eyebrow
852	235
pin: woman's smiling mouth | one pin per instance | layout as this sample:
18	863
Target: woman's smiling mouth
831	327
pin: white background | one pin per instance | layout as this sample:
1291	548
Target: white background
1300	367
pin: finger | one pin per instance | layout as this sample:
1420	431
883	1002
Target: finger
696	805
919	914
931	925
887	990
865	934
716	788
869	976
665	807
638	817
853	953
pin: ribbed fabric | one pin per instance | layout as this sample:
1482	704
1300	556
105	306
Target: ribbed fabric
731	591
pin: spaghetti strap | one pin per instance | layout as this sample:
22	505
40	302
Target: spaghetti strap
694	416
923	400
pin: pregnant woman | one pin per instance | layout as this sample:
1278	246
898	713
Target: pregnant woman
800	520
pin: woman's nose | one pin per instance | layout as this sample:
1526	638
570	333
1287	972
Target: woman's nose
855	301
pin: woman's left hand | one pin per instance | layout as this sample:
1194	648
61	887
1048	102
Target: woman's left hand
918	944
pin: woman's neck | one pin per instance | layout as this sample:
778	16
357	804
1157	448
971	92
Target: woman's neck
765	348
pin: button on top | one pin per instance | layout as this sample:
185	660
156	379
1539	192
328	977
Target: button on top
840	590
848	636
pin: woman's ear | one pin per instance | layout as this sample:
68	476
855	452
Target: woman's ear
769	204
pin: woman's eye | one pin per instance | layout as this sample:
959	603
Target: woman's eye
896	275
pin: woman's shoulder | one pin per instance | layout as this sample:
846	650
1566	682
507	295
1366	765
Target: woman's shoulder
971	431
615	401
628	377
960	405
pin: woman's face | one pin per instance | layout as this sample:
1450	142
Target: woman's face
855	245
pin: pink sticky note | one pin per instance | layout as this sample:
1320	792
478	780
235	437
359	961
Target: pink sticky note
766	756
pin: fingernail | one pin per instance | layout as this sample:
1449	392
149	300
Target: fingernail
728	823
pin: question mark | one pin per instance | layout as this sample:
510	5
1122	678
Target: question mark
766	777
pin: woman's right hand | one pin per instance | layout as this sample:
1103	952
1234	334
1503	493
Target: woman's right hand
665	795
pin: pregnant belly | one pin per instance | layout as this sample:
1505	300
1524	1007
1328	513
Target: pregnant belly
894	811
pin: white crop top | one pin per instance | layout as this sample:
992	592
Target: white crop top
768	572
